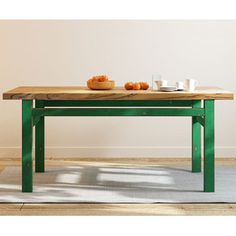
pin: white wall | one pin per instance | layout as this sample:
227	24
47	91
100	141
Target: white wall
69	52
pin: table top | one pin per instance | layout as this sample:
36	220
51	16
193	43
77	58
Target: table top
119	93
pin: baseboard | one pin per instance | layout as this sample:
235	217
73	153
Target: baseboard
168	151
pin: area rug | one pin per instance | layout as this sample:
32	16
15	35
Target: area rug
118	184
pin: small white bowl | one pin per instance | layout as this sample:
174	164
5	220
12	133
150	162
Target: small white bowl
168	88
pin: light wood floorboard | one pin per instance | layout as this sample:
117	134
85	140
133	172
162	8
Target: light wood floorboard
117	209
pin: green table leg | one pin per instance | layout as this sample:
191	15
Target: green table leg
27	136
209	149
196	140
39	141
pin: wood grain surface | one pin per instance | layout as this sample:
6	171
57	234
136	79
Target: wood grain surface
119	93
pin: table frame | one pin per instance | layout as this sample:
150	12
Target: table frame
201	111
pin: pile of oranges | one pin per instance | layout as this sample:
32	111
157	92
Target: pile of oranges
136	86
99	78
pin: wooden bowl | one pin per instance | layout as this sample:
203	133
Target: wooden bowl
95	85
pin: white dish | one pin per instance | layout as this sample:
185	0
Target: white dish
168	88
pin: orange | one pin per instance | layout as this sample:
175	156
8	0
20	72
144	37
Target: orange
144	85
136	86
129	86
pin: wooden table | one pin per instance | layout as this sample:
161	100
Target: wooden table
80	101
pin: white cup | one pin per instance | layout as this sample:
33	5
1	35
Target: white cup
180	85
190	84
161	83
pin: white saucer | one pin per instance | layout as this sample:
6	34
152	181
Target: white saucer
168	88
180	89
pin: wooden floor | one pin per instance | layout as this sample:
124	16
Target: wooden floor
117	209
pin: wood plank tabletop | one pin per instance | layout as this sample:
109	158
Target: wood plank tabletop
119	93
